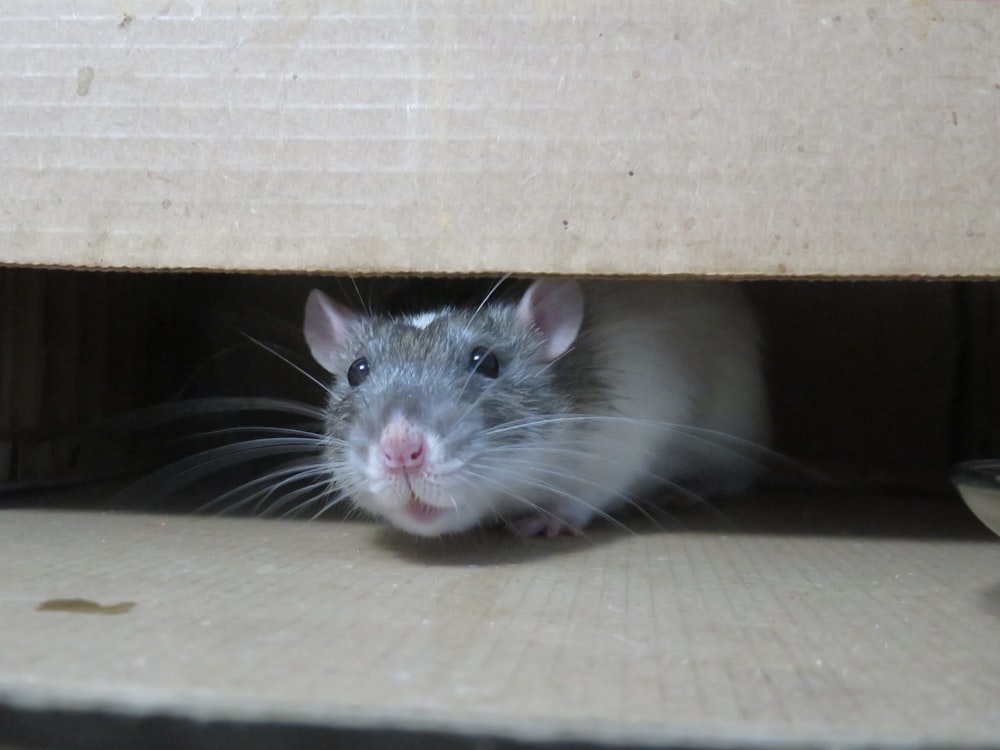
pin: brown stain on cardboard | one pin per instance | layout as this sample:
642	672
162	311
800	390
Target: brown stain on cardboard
84	607
84	77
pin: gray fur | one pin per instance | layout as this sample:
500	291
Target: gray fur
660	377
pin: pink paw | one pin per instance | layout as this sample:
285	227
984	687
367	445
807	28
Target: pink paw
547	526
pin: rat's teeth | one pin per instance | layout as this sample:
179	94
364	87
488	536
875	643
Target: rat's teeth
420	510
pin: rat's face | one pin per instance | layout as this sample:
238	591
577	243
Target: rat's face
434	419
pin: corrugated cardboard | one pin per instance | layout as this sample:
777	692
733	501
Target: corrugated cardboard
762	634
776	138
757	139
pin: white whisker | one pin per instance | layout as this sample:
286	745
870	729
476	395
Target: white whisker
552	490
283	358
486	299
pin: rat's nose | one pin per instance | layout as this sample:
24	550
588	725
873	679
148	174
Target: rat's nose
402	447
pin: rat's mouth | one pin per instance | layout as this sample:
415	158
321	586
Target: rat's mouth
418	510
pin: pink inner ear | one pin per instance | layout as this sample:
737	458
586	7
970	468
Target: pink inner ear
554	307
327	328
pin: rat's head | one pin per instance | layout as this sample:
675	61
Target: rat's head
433	418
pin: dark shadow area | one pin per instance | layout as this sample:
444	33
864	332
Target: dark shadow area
879	385
96	729
990	599
938	518
490	546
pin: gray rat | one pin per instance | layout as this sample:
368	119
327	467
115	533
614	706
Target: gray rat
541	412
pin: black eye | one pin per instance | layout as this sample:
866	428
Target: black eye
357	372
485	362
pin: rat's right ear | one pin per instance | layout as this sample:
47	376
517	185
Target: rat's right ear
554	307
327	328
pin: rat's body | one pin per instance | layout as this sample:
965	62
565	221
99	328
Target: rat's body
540	413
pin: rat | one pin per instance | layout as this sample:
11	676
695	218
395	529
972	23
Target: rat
542	412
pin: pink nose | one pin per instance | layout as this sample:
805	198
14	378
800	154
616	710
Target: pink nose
402	447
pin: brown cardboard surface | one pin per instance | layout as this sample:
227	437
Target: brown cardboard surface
645	636
775	138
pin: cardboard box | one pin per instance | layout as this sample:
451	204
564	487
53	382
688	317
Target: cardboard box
779	140
788	138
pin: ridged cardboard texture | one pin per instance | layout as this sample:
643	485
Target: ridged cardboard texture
777	138
646	636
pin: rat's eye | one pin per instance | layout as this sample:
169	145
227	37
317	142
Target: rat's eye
485	362
357	372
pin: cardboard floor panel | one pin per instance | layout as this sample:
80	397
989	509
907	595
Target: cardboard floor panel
638	636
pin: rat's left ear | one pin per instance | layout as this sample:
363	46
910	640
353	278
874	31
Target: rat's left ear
554	307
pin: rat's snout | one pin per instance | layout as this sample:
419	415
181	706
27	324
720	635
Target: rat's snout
402	447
